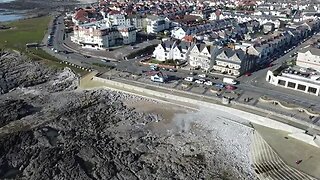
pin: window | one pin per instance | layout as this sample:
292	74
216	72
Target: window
312	90
282	82
301	87
291	85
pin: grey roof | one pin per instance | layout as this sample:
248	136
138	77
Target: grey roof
168	43
230	52
313	50
184	45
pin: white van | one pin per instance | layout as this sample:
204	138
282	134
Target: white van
229	81
189	79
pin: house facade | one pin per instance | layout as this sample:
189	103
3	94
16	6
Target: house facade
178	33
202	55
157	24
233	62
172	50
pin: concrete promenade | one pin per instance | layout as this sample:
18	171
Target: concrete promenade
173	96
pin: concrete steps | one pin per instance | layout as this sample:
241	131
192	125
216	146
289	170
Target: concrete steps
268	165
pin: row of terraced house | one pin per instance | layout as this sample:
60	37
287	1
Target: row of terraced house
236	58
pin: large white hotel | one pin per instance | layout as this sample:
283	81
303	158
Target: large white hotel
98	35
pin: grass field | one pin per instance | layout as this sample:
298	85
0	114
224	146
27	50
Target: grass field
31	31
24	31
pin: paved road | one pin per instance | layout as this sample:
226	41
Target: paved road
257	83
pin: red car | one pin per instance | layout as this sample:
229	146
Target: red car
248	74
230	87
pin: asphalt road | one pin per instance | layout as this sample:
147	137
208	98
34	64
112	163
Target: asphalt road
254	84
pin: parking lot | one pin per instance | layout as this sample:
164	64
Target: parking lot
176	80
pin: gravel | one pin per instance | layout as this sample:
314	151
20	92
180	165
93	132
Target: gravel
52	130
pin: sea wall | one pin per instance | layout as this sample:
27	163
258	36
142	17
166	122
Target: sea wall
264	121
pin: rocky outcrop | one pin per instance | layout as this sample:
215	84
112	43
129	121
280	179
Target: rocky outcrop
51	130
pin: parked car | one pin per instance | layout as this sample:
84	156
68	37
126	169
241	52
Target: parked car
189	79
154	67
229	81
192	73
105	60
173	70
202	75
248	74
200	81
208	83
230	87
219	85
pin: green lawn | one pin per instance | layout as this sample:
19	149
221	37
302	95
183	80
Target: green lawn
31	31
24	31
166	62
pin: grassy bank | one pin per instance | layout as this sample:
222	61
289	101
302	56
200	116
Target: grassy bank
24	31
31	31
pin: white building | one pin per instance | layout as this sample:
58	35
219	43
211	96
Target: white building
309	57
172	50
117	19
99	36
127	33
294	79
157	24
178	33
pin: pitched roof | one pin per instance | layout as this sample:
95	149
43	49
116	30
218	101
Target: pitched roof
184	45
229	52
